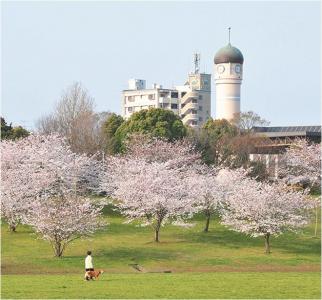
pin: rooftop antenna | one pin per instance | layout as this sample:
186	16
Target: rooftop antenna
197	62
229	28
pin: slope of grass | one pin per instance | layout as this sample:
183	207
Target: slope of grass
180	249
184	285
217	264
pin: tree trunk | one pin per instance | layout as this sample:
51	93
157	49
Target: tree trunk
12	228
267	246
207	223
156	238
58	249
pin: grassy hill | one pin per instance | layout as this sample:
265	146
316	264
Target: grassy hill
232	263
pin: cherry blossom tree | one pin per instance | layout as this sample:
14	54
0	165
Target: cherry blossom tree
211	186
64	217
302	160
151	181
302	163
21	179
149	193
261	209
36	165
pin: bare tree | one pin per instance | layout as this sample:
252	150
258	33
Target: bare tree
245	121
74	118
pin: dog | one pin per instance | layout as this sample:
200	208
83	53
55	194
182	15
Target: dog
92	274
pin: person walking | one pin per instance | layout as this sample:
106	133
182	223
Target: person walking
89	262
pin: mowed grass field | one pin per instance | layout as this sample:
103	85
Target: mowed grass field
217	264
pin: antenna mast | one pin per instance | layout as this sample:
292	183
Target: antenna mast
197	62
229	28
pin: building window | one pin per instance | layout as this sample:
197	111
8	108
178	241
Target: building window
151	97
130	109
164	94
200	108
130	98
193	111
200	97
200	119
194	122
165	105
174	106
174	94
194	100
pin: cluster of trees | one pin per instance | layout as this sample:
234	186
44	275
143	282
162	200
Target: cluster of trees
48	186
219	141
8	132
155	170
157	182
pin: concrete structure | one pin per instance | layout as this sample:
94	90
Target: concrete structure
191	101
228	78
276	140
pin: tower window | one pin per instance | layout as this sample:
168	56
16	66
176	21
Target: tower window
174	94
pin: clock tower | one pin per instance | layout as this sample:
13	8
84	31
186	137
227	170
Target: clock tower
228	78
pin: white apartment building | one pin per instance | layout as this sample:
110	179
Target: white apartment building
191	101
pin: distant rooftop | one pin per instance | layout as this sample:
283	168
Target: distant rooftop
289	131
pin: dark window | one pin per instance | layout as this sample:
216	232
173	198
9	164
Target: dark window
200	108
200	119
194	100
193	111
194	123
174	94
174	106
200	97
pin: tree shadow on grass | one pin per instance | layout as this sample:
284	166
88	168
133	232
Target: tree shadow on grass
289	242
136	255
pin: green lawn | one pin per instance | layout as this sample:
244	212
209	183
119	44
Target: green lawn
182	285
217	264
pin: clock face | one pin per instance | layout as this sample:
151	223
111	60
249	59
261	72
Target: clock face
237	68
221	69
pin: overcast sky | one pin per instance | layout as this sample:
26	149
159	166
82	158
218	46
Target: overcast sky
48	46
